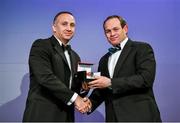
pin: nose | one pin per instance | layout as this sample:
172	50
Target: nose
68	28
112	33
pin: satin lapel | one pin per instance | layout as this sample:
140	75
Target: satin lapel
61	53
122	57
58	48
105	66
73	62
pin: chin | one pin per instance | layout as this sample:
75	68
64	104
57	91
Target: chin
114	43
68	38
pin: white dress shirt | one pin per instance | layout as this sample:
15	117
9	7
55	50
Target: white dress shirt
73	98
114	58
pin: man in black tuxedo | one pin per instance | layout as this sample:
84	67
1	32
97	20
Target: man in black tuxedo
128	73
53	64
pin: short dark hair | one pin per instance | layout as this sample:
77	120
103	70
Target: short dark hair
122	20
62	12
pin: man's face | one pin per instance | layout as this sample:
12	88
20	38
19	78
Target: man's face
114	32
64	27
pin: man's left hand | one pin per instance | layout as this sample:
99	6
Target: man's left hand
100	82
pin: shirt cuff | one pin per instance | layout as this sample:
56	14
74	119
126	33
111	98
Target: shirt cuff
73	98
110	87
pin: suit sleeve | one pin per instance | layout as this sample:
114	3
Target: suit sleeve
42	72
144	66
96	98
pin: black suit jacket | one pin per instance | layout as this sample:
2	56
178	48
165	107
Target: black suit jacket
49	82
130	97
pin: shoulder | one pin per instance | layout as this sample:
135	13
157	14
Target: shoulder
41	42
104	57
141	48
42	46
75	54
140	44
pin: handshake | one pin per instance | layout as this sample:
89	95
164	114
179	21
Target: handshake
83	105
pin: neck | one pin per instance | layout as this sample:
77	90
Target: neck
64	42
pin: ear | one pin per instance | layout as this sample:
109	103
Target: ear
126	28
53	28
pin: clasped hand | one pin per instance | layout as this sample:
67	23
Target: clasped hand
83	105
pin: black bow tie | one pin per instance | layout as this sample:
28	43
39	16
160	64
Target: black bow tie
114	49
67	47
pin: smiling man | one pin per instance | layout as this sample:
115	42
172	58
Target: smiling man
128	73
52	66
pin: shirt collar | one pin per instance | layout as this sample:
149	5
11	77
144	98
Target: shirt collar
123	43
60	42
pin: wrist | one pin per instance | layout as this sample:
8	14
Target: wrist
109	83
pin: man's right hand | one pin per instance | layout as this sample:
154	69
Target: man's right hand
83	105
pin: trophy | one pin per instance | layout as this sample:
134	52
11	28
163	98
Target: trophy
85	73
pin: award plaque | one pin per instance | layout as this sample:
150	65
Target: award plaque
85	73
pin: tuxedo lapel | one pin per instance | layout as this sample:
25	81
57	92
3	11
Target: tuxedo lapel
61	53
122	57
73	62
104	67
59	49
